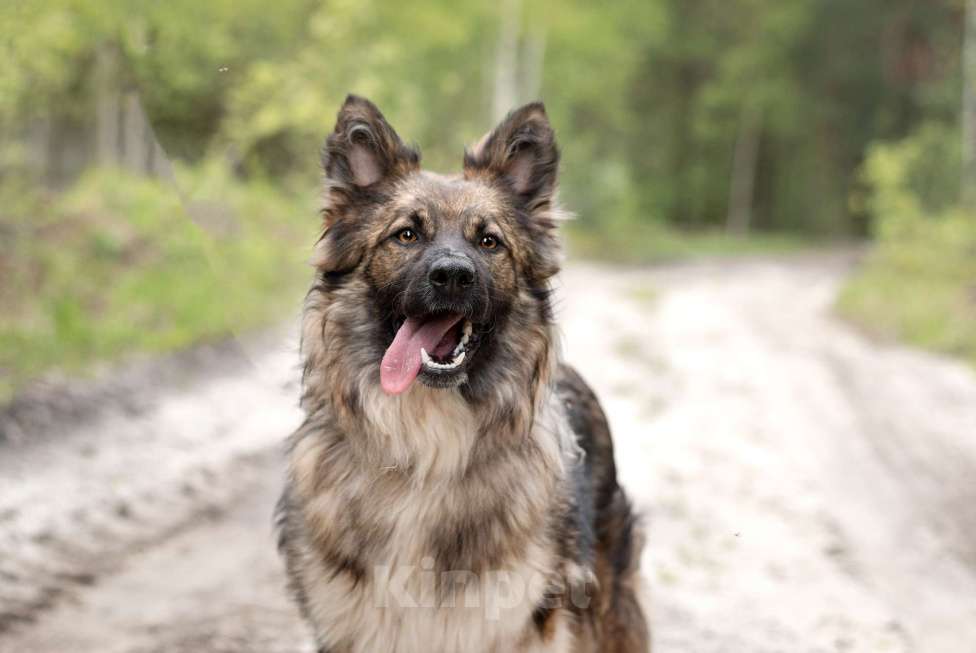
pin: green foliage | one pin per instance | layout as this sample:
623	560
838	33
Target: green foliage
915	178
121	263
919	283
650	99
280	112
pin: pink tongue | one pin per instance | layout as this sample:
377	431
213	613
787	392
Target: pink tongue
401	362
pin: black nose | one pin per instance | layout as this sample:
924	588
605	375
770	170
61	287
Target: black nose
452	274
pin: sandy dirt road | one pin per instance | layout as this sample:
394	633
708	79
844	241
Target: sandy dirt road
805	489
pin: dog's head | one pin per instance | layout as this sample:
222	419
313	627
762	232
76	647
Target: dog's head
453	270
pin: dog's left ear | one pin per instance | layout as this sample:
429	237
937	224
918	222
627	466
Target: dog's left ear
520	153
521	156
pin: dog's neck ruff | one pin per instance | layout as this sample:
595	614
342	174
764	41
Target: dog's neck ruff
434	434
424	432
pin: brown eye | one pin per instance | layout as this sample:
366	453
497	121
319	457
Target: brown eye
488	242
407	236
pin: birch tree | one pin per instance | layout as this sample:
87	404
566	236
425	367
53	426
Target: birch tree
968	181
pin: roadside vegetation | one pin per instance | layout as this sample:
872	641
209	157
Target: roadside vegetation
919	282
159	167
120	263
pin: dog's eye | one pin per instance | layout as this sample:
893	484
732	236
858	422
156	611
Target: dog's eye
488	242
407	236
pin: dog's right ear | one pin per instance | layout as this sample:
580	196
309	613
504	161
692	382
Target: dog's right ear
364	150
360	158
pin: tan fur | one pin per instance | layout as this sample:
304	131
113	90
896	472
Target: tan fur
424	442
449	518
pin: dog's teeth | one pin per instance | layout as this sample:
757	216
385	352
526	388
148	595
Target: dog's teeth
429	362
465	335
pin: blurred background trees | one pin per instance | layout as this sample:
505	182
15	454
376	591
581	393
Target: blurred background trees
677	118
689	113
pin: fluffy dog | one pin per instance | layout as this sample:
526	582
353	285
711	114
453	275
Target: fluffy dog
452	488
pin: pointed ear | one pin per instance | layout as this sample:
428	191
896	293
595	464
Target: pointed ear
521	153
361	155
364	150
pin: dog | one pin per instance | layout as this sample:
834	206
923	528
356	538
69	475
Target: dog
452	487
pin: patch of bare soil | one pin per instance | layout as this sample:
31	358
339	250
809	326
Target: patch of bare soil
804	489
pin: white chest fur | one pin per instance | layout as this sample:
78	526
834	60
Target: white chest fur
404	603
399	610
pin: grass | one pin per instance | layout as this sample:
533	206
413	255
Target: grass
919	286
652	243
118	264
919	283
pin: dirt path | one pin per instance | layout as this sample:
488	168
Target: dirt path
805	490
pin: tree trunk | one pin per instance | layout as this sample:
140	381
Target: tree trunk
107	106
968	181
744	170
535	51
135	140
506	60
38	146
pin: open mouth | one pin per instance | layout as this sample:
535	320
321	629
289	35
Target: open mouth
434	347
